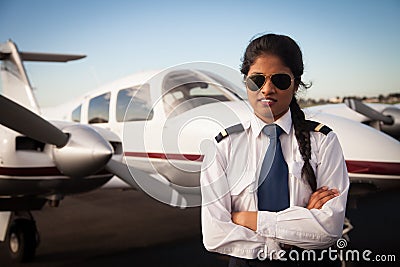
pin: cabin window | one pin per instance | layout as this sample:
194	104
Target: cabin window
134	104
76	114
99	107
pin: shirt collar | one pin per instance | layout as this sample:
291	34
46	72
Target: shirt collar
285	122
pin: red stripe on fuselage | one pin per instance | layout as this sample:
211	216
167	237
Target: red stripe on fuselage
33	171
189	157
36	171
353	166
373	167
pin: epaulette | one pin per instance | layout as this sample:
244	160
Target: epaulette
318	127
237	128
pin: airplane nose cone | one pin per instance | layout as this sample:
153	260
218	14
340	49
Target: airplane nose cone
101	151
86	152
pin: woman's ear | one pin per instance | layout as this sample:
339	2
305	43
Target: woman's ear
296	87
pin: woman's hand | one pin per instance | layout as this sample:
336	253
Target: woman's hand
321	196
317	200
245	218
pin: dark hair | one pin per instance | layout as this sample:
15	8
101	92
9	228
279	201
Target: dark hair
289	52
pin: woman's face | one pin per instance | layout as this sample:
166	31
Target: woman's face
270	99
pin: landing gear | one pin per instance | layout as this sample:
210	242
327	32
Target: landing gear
22	239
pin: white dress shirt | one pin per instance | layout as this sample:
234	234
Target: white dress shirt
229	180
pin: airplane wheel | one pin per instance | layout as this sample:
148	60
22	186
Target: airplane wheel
22	240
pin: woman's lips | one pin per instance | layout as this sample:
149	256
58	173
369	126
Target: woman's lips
267	101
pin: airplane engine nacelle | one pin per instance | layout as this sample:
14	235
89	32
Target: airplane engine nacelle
86	152
392	129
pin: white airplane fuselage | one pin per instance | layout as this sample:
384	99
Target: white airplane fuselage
169	144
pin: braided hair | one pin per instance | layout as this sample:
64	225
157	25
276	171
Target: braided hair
289	52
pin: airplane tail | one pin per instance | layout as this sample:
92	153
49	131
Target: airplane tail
15	81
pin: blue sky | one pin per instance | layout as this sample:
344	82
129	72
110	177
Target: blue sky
349	47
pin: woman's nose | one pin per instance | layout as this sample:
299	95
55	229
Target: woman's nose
268	87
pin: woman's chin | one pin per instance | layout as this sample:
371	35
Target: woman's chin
266	117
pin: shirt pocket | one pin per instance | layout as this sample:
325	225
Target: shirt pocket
295	169
299	188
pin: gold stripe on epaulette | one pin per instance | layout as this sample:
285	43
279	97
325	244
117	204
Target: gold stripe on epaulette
224	133
319	127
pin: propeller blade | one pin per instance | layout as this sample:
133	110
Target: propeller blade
365	110
122	171
163	192
24	121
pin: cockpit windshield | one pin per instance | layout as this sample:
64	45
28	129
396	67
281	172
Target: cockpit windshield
186	89
233	88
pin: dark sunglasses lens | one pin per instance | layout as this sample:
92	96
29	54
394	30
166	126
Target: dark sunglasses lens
281	81
255	82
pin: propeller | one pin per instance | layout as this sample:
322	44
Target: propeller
365	110
80	153
122	171
24	121
161	191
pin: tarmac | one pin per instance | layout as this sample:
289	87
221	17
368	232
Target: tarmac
128	228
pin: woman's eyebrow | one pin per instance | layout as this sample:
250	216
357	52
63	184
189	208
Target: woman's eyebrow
256	73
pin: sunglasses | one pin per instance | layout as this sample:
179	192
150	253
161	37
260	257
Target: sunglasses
255	82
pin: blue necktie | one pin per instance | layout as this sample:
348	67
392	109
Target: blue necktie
273	193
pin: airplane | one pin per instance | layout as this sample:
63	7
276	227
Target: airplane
148	131
41	161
